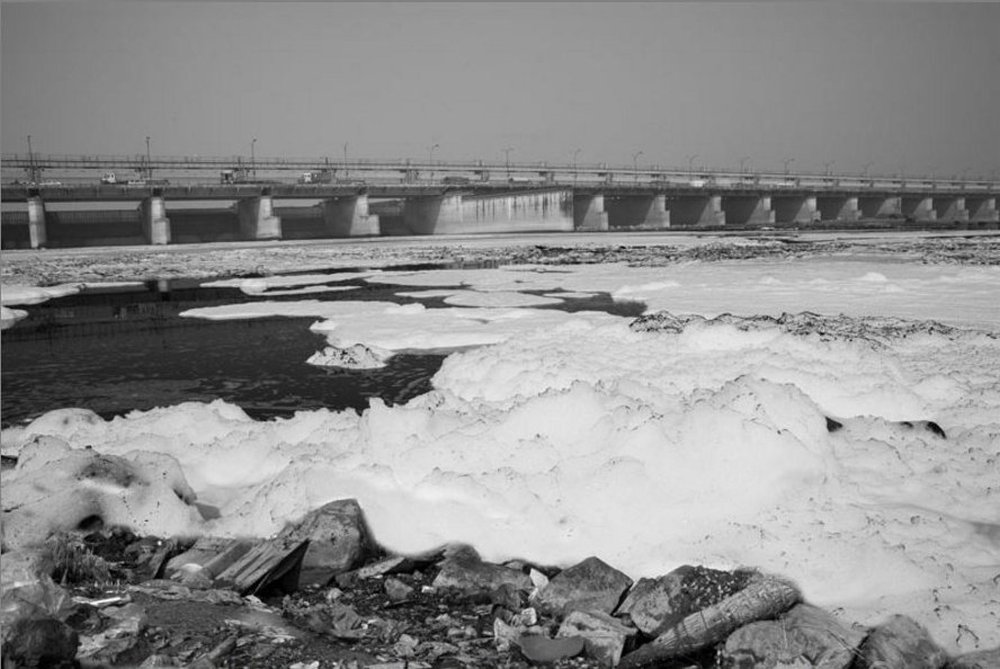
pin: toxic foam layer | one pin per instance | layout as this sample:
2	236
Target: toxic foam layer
705	445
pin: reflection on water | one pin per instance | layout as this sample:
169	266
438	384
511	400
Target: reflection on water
119	348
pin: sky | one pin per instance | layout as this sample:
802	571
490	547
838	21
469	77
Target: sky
891	86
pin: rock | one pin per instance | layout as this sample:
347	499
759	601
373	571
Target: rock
38	641
128	622
981	659
406	646
655	605
805	633
604	637
397	590
390	565
589	585
339	540
504	635
763	598
901	643
465	572
539	648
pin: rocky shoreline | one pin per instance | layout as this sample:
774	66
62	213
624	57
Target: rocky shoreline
323	594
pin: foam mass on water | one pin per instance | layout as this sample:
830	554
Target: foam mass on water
792	448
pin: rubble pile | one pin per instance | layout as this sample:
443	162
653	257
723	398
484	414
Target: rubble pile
322	593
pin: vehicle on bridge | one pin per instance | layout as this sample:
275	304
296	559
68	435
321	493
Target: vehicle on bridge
316	177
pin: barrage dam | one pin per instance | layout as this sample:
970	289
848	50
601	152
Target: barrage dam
85	201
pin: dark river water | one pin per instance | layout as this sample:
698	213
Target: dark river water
114	350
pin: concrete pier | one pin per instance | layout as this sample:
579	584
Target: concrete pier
950	209
155	224
589	213
697	211
648	212
750	210
349	217
795	209
880	206
918	208
838	208
257	219
982	209
433	215
37	231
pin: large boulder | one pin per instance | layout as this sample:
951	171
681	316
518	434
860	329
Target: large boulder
33	631
655	605
901	643
339	540
591	585
804	634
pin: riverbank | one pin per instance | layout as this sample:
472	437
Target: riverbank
144	263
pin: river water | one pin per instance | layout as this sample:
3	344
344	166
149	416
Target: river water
117	348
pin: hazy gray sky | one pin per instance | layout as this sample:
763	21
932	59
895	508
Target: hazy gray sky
910	86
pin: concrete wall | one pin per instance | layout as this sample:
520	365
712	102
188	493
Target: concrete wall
697	211
537	211
795	209
749	210
880	206
589	213
950	209
919	208
257	218
982	209
637	211
838	208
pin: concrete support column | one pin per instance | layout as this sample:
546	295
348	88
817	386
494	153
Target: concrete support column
37	233
880	206
982	209
697	210
433	215
155	224
638	211
349	217
588	212
257	219
838	208
749	210
919	208
795	209
950	208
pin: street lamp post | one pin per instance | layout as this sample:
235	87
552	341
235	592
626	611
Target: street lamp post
32	172
867	165
506	153
635	164
253	158
149	162
787	162
575	154
743	162
690	160
430	158
827	165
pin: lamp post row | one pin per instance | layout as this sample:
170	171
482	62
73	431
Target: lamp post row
743	161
